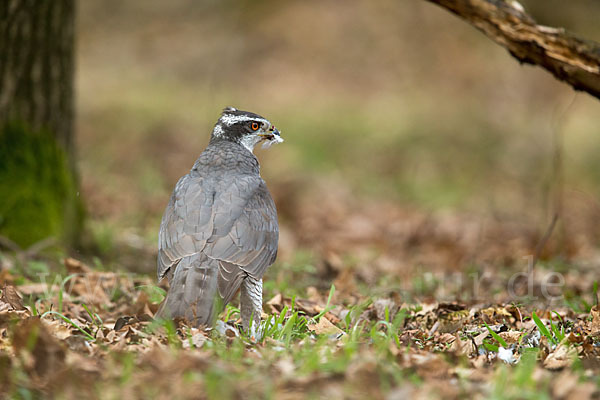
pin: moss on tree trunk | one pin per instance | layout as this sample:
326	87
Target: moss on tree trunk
38	190
38	179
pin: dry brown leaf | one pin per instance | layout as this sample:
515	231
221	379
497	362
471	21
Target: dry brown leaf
58	329
325	327
38	288
595	314
32	340
12	297
463	347
90	288
141	304
75	266
497	314
276	303
479	338
561	357
121	322
197	339
445	338
309	307
511	336
426	308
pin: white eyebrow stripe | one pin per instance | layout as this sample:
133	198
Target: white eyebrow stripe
218	131
234	119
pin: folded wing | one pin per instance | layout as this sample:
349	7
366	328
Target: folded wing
238	228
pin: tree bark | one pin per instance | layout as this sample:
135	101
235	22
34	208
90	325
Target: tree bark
37	66
38	179
570	59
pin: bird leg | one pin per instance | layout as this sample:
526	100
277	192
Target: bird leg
251	303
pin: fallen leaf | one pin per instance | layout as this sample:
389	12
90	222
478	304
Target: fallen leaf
38	288
511	336
460	346
121	322
31	338
276	303
75	266
595	314
12	297
560	358
196	340
325	327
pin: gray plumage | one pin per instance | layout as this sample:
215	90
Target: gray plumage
219	231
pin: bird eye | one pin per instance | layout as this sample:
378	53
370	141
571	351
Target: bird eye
254	126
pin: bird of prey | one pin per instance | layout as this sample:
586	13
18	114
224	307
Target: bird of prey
219	232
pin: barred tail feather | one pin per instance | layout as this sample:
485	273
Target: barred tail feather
193	292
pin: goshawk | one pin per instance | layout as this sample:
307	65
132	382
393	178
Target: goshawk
219	231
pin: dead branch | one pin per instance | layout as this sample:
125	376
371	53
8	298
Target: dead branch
567	57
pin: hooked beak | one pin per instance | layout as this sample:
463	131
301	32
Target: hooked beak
272	136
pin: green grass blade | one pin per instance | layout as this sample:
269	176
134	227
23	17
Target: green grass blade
88	336
490	347
286	332
327	306
88	312
497	337
61	290
542	328
282	315
557	333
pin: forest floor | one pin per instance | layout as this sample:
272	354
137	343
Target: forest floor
369	298
388	303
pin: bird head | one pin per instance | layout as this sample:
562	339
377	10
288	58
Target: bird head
245	128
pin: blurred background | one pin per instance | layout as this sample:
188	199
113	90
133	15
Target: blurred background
412	142
424	171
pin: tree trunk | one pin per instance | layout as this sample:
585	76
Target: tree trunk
38	184
37	66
